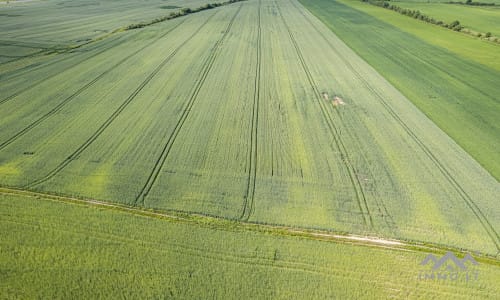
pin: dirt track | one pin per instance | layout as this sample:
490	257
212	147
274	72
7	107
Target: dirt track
200	219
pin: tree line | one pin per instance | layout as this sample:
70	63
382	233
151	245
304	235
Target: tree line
183	12
416	14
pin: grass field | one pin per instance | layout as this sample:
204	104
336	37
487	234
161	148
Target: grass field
59	250
467	47
478	18
254	112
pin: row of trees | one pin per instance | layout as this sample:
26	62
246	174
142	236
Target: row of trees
469	2
455	25
182	12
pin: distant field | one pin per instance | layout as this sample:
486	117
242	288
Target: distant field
41	26
478	18
58	250
463	45
444	1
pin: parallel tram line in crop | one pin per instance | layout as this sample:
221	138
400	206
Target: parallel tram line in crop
35	66
389	220
116	113
79	91
358	189
16	58
248	204
207	66
447	175
37	83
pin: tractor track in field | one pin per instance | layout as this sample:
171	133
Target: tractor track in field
231	224
160	162
17	58
79	91
38	65
358	189
37	83
490	230
248	203
116	113
389	220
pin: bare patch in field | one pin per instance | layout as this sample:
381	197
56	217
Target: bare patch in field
338	101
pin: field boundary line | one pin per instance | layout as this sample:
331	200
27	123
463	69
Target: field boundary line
490	230
115	114
81	90
248	202
238	225
160	162
360	195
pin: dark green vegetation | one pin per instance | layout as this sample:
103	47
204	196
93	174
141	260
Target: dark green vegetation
482	17
183	12
59	250
475	18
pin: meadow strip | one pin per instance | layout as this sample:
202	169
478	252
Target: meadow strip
238	225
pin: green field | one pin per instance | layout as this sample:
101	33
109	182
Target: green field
58	250
478	18
435	79
445	1
254	112
466	46
224	135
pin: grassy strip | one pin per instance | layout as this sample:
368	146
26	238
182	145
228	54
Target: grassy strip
215	222
51	250
183	12
416	14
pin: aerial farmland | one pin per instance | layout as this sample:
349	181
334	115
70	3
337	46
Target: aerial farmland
250	149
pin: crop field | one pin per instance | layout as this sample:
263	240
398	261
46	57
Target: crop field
410	54
254	112
41	238
225	135
63	22
468	47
